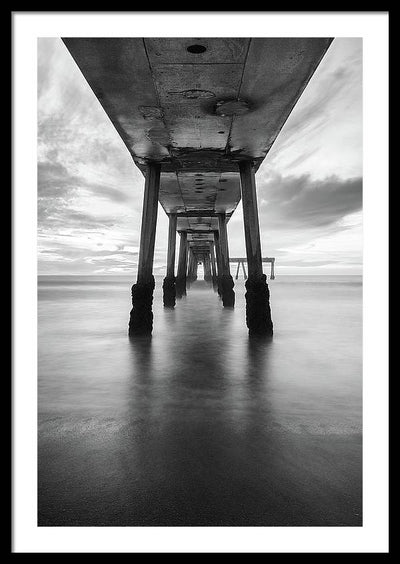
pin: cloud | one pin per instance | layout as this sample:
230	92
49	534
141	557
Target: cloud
323	134
81	219
54	181
59	190
56	189
298	202
326	92
109	192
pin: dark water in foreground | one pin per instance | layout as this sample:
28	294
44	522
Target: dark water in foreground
200	425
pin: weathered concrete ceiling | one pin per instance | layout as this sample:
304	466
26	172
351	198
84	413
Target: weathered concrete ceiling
198	106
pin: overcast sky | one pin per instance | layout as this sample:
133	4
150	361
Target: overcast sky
309	186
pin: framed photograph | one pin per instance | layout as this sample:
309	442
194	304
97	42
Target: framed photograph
200	282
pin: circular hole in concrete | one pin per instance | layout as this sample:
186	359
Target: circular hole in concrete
196	49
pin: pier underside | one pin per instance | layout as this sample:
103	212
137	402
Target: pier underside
198	117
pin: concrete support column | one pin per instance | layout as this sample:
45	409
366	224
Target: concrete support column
189	273
272	270
192	266
141	316
169	291
180	283
207	268
226	280
213	266
237	270
258	312
218	258
195	266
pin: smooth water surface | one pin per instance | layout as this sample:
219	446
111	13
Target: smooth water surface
200	425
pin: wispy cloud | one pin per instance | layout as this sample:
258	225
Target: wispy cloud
300	202
323	134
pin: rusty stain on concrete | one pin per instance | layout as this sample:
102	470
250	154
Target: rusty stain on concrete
232	107
194	93
151	112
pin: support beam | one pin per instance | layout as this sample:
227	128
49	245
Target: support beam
192	266
218	253
244	270
212	257
223	238
226	280
237	270
169	290
258	312
213	265
207	268
219	261
141	316
180	283
195	267
272	276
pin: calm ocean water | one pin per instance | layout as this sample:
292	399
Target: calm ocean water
200	425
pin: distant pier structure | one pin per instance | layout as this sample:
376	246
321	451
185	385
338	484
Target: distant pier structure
198	117
240	263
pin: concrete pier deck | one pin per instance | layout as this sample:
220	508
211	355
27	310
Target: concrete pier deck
198	107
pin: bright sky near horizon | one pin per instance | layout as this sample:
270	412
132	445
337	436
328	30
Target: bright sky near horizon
309	186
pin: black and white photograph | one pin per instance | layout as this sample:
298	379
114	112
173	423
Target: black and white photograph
201	278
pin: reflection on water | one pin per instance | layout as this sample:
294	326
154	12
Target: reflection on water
198	424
